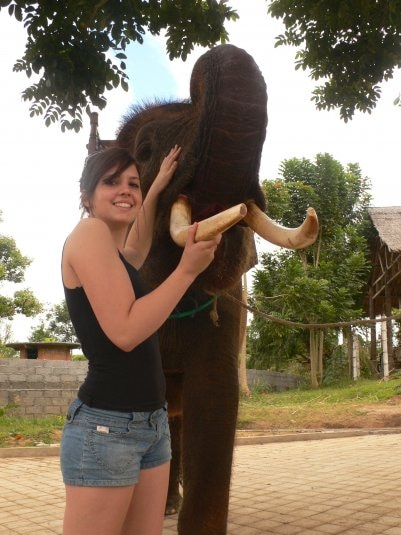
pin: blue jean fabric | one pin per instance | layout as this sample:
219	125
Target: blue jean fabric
101	448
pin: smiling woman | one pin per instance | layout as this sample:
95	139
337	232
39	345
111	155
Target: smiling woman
117	438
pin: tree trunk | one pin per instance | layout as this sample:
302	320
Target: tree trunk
316	338
313	358
320	340
348	346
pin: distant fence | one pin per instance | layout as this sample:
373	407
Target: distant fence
47	387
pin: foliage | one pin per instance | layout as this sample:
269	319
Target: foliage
5	338
55	327
22	431
76	49
337	366
79	357
322	284
12	269
352	46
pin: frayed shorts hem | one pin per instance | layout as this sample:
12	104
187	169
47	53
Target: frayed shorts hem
112	483
100	483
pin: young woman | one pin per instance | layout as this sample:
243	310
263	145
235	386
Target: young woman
115	449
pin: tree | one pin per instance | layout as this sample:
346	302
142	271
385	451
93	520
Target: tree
353	46
55	327
5	338
77	47
12	270
322	284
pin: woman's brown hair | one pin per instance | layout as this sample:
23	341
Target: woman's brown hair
97	165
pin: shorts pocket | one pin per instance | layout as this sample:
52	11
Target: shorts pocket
115	452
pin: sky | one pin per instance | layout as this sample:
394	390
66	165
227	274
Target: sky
40	166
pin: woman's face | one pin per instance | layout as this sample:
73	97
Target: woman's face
117	198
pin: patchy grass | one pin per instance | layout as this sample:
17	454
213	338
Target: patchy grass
364	404
18	431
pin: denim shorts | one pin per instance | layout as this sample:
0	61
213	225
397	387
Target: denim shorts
102	448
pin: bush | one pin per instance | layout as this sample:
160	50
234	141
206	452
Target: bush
78	357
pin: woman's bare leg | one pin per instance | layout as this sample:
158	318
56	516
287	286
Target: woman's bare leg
96	510
145	514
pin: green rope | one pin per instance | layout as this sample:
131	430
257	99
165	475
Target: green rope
179	315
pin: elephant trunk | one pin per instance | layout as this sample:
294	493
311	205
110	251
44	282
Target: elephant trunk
229	94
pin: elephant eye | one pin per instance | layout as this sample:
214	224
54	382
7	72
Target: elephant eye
143	151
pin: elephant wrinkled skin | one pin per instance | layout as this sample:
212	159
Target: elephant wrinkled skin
221	130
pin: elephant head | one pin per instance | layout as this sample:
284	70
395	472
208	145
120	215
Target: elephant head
221	130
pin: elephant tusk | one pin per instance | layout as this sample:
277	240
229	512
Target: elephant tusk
292	238
180	221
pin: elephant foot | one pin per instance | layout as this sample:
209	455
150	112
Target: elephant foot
173	505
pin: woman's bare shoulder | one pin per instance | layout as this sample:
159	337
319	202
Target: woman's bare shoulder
90	235
90	231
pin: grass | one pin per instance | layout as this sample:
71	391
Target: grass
346	405
19	431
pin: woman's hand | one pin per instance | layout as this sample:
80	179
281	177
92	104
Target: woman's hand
198	255
167	169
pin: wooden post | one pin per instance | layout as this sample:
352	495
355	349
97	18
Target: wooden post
356	367
384	350
389	325
373	337
243	382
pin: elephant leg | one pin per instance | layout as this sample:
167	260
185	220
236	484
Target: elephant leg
174	398
210	397
174	497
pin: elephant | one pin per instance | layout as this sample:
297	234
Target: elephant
221	129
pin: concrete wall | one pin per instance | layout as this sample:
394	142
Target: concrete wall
275	381
47	387
39	387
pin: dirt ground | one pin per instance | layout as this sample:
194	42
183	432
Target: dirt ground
320	416
387	414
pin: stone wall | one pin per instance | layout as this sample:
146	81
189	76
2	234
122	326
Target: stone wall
39	387
275	381
47	387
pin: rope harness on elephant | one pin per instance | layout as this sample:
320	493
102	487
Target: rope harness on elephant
214	316
290	323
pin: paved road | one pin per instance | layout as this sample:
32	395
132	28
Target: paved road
348	485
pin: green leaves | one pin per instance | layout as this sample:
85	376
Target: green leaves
324	283
12	269
353	46
76	49
56	326
12	262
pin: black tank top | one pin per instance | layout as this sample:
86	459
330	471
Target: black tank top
116	380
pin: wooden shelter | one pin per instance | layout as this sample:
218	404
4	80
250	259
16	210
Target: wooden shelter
384	289
44	350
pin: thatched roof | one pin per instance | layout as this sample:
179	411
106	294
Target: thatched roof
387	222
